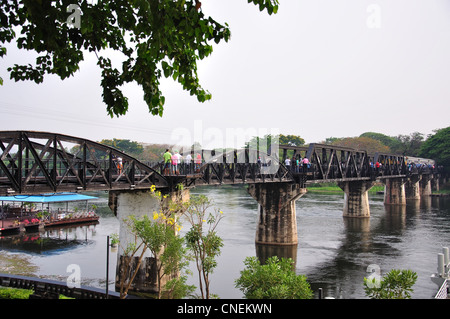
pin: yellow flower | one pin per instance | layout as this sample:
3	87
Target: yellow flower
155	215
204	221
152	188
220	211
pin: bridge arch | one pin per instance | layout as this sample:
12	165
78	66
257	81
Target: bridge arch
34	162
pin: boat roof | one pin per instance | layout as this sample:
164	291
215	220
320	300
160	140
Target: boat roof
47	198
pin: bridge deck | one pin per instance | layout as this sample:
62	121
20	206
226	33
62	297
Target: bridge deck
40	162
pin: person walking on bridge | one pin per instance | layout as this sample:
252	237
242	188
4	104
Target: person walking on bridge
167	158
176	160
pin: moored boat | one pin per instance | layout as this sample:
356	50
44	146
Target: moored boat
21	212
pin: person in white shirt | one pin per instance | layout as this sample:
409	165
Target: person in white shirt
187	162
287	163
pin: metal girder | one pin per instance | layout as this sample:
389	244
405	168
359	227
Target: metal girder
40	162
334	163
243	167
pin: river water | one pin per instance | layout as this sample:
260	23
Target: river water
333	252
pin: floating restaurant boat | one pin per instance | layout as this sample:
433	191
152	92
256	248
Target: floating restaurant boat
20	212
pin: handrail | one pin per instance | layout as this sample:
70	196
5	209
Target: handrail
46	288
443	291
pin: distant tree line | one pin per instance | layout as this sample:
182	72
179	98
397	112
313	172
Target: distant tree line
378	142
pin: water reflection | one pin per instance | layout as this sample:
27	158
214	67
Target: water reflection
264	252
49	242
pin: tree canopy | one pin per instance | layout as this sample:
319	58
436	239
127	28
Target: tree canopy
362	143
126	146
409	145
155	38
276	279
437	147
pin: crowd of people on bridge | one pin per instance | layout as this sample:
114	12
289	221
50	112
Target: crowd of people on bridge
176	164
297	164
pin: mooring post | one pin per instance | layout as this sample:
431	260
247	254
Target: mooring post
107	266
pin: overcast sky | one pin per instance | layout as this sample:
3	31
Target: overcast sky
318	69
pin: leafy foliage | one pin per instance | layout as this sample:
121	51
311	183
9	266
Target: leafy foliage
438	147
362	143
274	280
202	239
408	145
391	142
132	148
396	284
159	235
155	38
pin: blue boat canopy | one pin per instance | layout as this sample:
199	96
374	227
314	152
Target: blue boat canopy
47	198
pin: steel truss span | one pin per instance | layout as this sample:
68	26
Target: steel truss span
327	163
42	162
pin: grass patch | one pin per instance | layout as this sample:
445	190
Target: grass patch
17	293
13	293
444	189
333	188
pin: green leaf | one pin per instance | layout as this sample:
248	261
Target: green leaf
156	38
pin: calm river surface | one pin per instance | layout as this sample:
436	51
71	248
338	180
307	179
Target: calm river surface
333	252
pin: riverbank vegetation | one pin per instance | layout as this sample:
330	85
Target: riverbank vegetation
334	188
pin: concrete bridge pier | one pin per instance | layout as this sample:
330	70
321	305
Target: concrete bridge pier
425	185
137	203
356	198
412	187
394	191
277	222
435	182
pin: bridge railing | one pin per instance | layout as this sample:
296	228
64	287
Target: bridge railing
315	163
50	289
226	167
